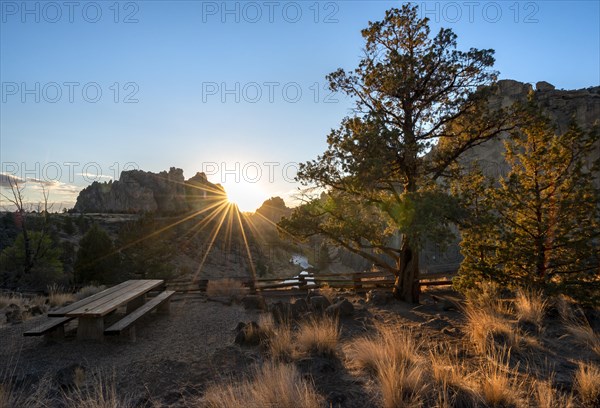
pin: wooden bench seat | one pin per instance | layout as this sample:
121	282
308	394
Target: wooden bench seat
128	321
51	326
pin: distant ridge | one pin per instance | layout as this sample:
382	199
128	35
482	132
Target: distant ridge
139	191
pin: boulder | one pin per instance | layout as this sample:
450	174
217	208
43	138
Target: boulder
248	334
379	298
253	302
14	314
544	86
36	310
319	303
343	308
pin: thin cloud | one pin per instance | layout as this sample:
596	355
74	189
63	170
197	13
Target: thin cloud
93	176
7	179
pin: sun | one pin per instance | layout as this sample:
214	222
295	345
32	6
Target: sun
247	196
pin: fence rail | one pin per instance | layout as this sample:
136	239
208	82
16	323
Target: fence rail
357	281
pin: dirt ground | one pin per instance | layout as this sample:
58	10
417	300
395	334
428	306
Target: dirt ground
176	356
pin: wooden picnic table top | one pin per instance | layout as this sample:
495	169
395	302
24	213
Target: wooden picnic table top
102	303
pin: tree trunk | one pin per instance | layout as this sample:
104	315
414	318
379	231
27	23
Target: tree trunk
406	287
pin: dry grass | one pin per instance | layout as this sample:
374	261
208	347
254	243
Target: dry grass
319	335
328	292
498	382
88	291
578	327
281	342
230	288
531	307
392	357
401	384
486	328
548	397
273	385
446	368
369	353
60	298
101	394
587	384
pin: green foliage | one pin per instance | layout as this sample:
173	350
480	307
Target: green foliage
68	225
146	249
540	225
97	261
46	266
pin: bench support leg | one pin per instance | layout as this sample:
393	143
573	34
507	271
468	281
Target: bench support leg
90	328
135	303
164	307
129	334
56	334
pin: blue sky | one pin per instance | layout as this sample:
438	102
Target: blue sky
236	89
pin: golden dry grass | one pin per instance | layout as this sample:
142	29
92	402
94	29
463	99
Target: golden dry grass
273	385
498	383
59	298
530	306
281	342
11	299
318	335
578	327
587	384
392	358
486	328
389	344
547	396
402	384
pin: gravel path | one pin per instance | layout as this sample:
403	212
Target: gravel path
172	354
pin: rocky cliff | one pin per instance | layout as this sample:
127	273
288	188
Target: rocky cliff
562	106
139	191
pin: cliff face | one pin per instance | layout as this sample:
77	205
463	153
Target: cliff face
139	191
562	106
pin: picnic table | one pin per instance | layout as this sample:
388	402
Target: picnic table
92	310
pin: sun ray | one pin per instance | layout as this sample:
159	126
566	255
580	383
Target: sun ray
214	234
248	252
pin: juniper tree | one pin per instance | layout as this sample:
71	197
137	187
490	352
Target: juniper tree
420	103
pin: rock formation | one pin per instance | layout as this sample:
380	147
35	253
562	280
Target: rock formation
139	191
562	106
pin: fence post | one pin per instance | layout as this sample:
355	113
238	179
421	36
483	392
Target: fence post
356	281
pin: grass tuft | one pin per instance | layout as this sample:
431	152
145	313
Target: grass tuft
587	384
319	335
531	307
273	385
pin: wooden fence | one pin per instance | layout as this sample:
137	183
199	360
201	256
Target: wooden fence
357	281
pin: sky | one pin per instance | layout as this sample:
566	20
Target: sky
235	89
